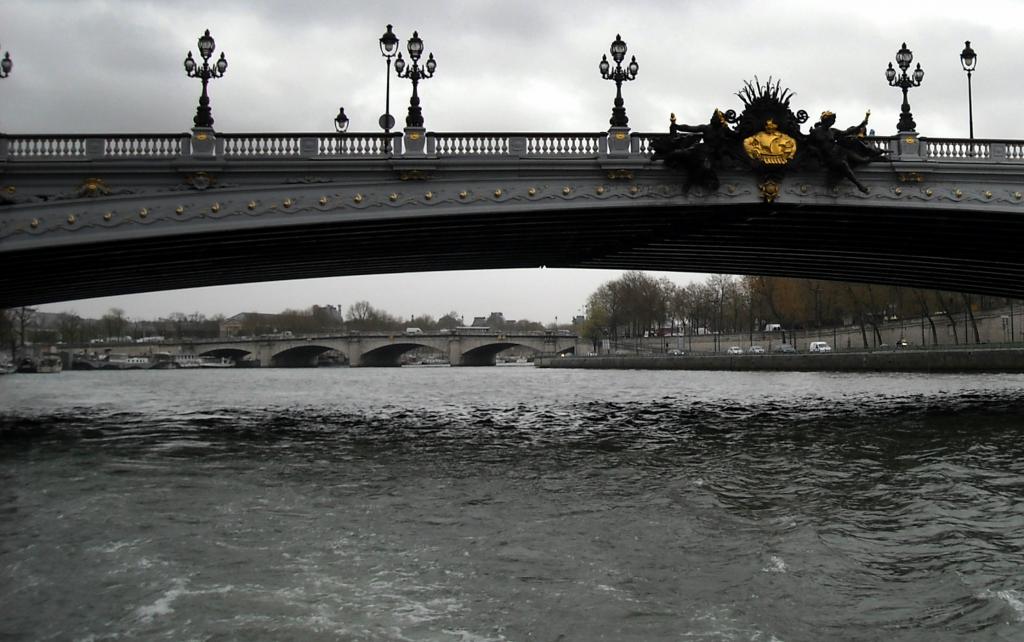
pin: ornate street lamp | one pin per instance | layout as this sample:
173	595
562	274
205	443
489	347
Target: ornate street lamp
341	121
969	60
415	73
388	48
904	81
618	51
6	65
205	73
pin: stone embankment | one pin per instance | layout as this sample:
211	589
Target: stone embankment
963	360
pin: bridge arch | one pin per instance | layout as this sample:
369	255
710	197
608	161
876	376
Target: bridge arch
390	355
300	356
235	354
486	354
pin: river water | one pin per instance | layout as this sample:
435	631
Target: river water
510	503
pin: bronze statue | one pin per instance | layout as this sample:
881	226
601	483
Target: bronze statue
766	139
838	149
696	149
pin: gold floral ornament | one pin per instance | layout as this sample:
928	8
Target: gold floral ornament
770	146
93	187
200	180
769	190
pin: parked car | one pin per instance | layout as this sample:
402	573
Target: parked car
756	349
734	350
819	346
902	343
785	348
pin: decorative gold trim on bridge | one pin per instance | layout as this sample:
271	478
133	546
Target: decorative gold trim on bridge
769	190
413	175
770	146
92	187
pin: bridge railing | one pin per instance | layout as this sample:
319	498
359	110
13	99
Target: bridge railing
307	145
340	146
59	147
517	145
979	149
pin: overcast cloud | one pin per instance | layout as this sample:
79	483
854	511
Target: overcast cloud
94	66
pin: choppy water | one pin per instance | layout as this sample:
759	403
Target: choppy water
510	503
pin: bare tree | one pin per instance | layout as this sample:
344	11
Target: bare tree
69	325
114	322
969	307
24	319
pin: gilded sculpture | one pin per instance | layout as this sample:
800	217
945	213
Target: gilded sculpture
765	138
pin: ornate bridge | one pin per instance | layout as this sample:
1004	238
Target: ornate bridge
461	348
92	215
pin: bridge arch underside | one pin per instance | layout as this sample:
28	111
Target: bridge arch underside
486	355
235	354
389	355
940	243
306	356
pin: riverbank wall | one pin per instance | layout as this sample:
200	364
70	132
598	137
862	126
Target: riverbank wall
963	360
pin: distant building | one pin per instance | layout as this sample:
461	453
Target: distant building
495	320
248	324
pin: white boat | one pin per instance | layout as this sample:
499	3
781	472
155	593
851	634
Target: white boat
126	362
50	363
215	362
186	361
47	363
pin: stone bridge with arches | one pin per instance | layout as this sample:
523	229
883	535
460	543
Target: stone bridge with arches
95	215
364	349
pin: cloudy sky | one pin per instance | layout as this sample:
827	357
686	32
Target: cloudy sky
87	66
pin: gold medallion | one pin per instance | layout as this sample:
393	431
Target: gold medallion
770	146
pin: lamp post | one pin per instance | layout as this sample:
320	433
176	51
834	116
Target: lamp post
388	48
969	60
203	116
904	81
618	51
415	73
6	65
341	121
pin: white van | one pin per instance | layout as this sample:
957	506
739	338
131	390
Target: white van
819	346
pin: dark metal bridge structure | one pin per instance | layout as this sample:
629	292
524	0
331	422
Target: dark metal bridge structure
94	215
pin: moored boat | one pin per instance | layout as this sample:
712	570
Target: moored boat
216	362
47	363
50	363
186	361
